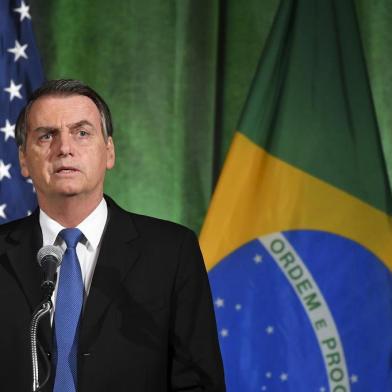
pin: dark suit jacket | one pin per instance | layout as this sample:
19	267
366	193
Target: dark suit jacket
148	322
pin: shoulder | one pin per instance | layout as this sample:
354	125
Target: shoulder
16	228
144	225
163	245
159	226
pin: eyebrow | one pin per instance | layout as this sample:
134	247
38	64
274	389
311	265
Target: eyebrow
79	124
45	129
70	126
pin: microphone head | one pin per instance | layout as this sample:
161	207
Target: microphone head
50	250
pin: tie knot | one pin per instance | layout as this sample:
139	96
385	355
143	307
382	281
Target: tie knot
71	236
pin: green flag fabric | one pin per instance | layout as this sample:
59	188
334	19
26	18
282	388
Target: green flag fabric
176	75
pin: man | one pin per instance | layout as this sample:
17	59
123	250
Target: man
143	319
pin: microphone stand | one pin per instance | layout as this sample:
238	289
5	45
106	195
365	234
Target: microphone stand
43	308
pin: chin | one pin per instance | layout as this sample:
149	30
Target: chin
68	192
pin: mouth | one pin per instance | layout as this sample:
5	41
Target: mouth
66	170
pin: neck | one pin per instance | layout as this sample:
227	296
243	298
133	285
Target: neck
70	211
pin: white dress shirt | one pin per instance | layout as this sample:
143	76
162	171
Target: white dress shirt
87	249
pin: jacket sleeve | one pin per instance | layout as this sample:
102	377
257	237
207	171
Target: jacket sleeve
196	363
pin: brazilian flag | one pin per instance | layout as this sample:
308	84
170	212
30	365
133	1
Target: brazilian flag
298	237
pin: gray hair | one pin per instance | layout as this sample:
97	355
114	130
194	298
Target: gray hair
63	87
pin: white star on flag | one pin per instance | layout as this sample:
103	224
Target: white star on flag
18	51
224	332
30	181
4	170
263	388
8	130
284	376
257	259
2	213
354	379
322	389
23	10
13	90
268	375
269	330
220	302
238	307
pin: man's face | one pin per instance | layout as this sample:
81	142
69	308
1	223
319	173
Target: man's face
66	153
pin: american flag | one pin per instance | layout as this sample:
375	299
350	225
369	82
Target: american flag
20	74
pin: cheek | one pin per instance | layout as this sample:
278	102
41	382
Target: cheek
35	167
102	160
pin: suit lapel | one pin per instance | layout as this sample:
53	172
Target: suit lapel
22	246
118	254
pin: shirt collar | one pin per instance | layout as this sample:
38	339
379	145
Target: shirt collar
92	227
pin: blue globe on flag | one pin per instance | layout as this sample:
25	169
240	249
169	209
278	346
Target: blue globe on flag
304	311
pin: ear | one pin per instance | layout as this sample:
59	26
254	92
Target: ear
110	153
22	161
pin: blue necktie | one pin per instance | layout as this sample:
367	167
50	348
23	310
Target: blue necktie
69	302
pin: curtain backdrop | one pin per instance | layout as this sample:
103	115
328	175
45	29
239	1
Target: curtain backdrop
176	74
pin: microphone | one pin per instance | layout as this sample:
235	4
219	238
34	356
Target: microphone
49	257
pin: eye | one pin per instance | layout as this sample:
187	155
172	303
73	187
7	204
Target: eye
46	136
83	133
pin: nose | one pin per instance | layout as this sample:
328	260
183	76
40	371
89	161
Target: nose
64	143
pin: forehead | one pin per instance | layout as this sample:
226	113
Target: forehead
55	110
